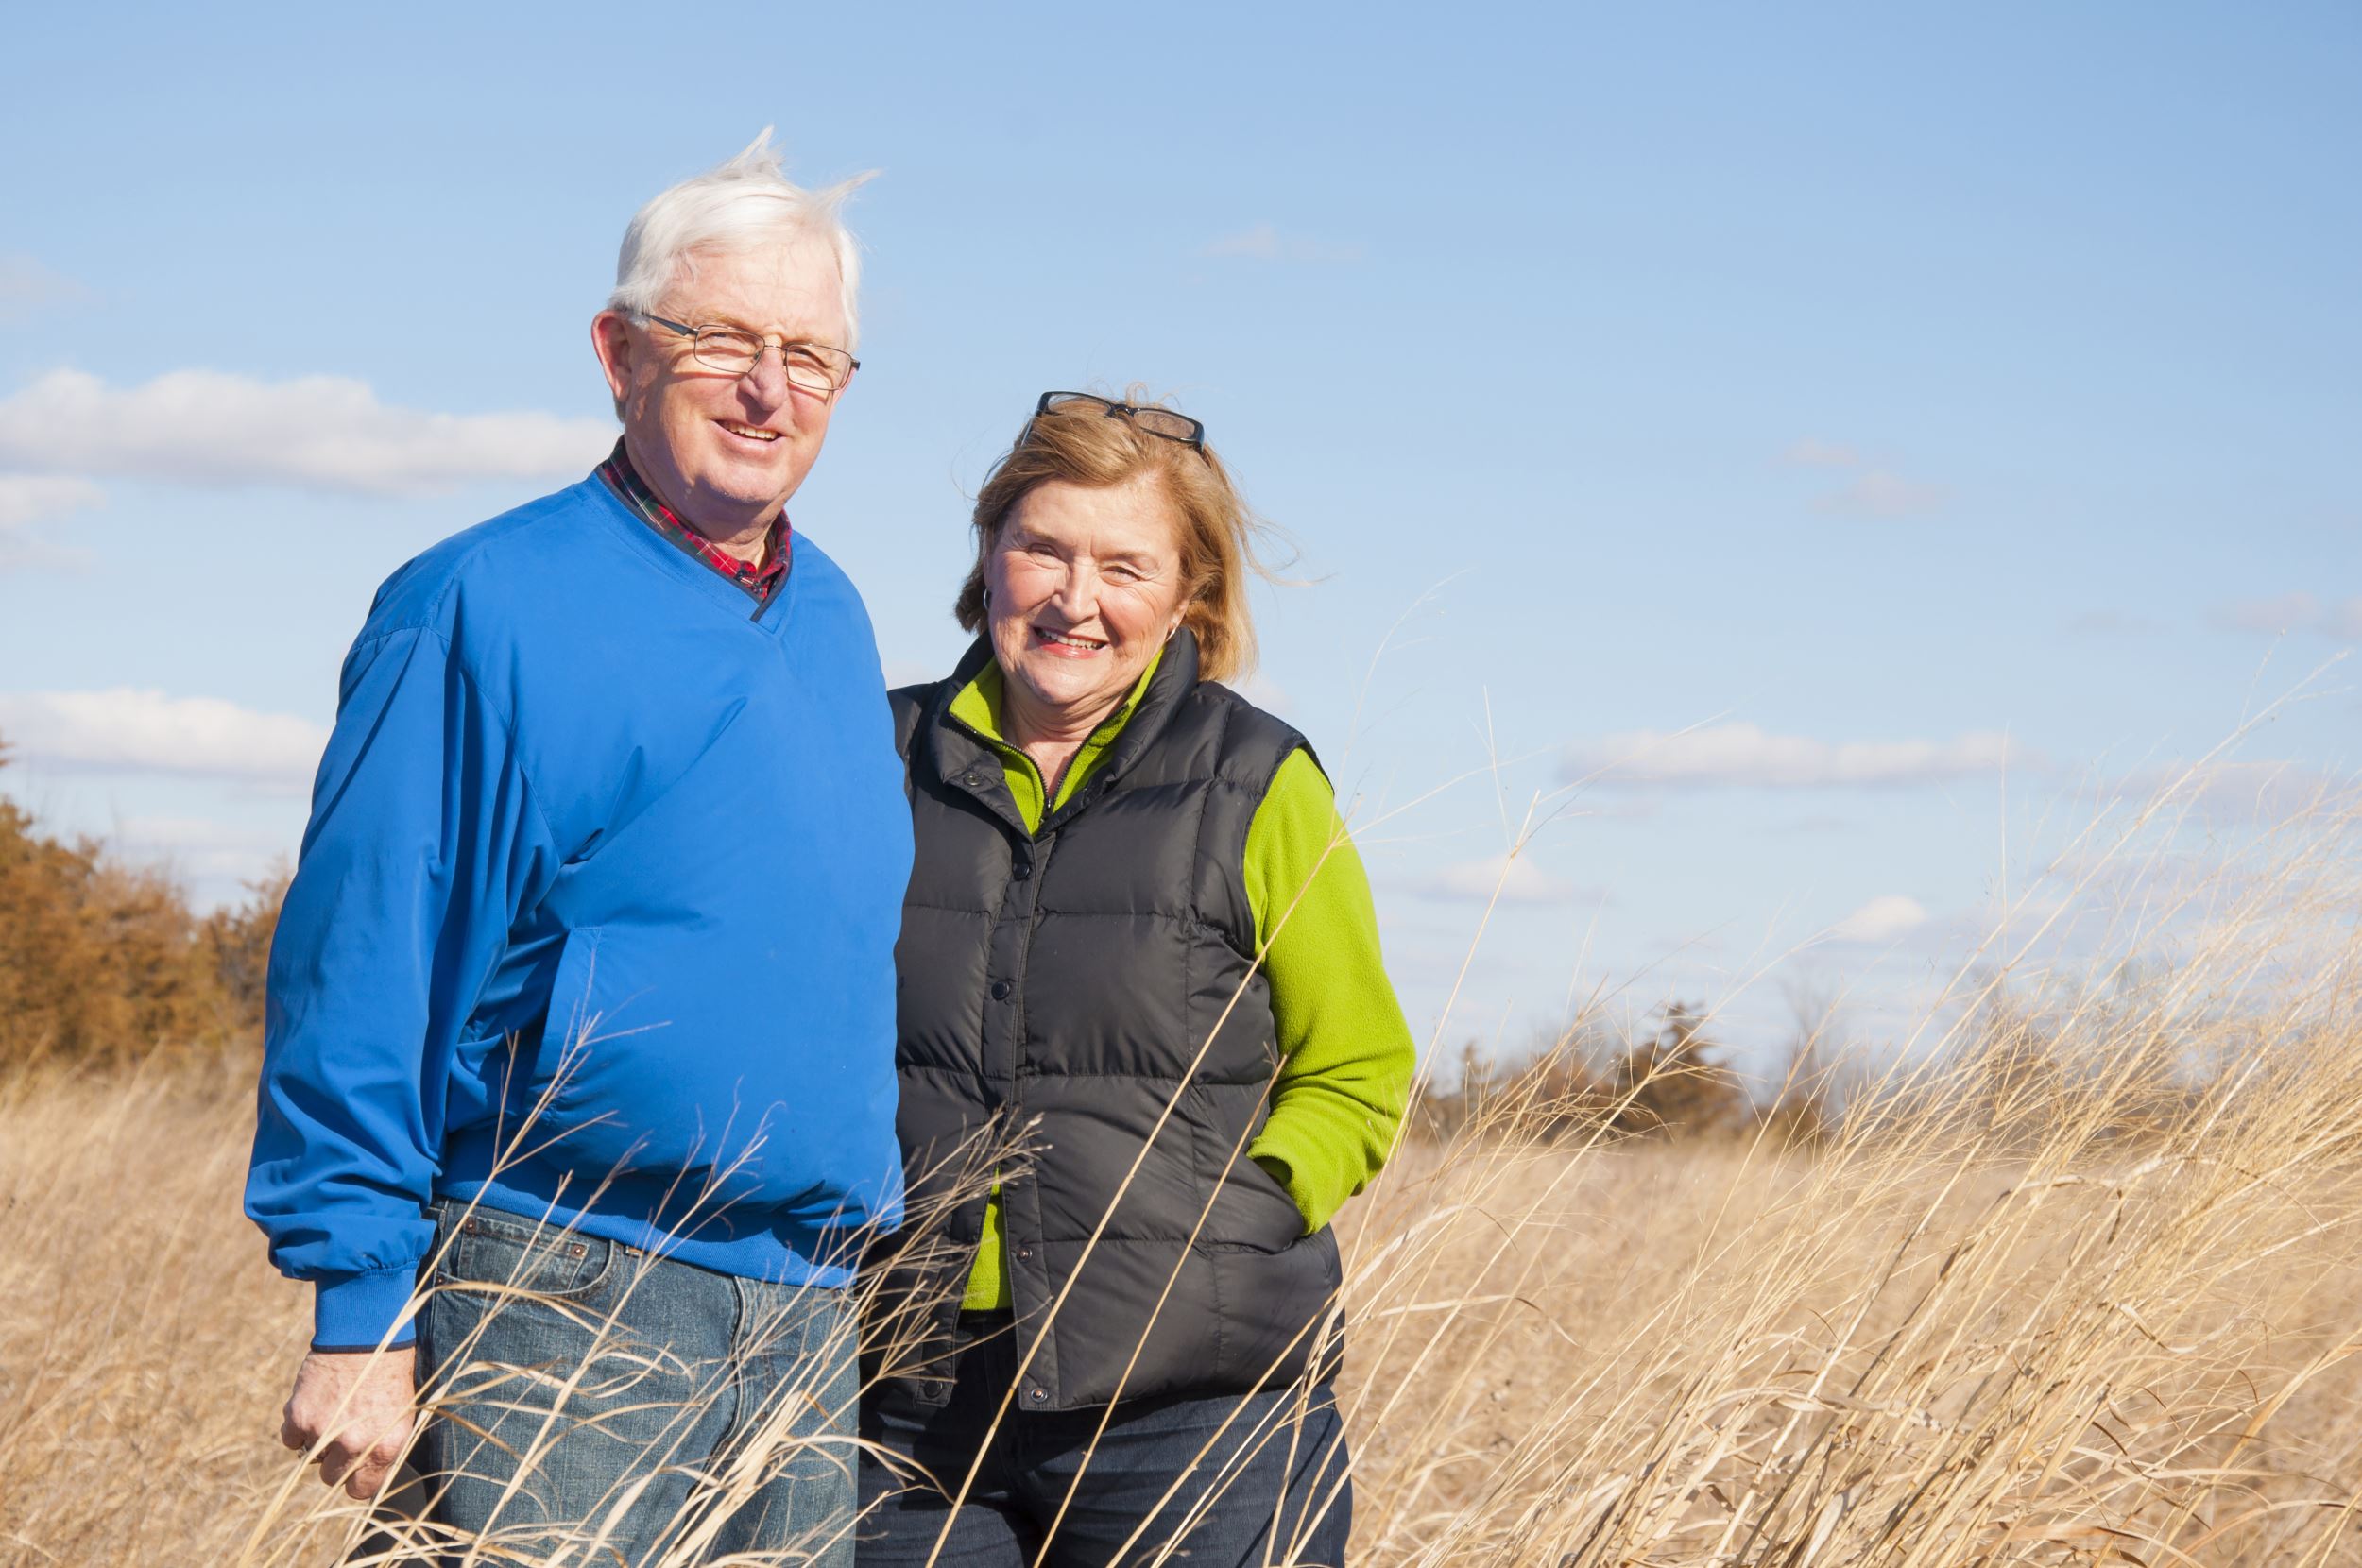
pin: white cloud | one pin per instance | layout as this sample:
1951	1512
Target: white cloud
26	286
1743	754
2111	623
1877	493
129	730
1519	881
2293	612
323	432
27	499
200	847
2285	613
1822	821
1872	492
1881	920
33	497
2262	790
1263	242
1813	453
172	834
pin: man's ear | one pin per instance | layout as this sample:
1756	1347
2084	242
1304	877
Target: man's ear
610	339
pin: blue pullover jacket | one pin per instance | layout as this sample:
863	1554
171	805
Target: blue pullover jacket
601	843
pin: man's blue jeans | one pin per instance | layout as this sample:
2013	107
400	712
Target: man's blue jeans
587	1398
1231	1480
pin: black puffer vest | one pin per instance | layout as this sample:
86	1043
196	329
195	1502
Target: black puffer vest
1093	986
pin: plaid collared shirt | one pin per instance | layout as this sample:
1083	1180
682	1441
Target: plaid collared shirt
760	582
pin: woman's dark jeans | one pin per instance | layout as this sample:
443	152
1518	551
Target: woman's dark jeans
1251	1479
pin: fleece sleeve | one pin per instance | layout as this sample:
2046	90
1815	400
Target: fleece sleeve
1348	1055
424	841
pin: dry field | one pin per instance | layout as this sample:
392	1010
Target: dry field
1931	1343
2076	1282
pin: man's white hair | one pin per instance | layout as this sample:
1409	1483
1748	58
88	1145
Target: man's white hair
744	204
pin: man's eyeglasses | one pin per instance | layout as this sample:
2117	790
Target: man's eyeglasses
1155	421
814	367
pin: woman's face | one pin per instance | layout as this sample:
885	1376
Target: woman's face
1086	585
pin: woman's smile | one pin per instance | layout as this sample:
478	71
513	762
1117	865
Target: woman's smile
1067	644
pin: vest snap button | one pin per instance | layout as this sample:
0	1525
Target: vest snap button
1021	870
1024	1252
1040	1396
1001	991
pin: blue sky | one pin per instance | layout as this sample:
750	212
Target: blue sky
1853	447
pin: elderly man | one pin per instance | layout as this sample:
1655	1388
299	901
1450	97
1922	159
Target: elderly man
580	1059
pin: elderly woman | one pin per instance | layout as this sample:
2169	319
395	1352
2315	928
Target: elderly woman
1136	934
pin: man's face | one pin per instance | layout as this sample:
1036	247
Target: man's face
726	450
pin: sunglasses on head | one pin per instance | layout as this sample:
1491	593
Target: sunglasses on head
1155	421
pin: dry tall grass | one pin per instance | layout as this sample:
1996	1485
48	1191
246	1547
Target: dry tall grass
2076	1278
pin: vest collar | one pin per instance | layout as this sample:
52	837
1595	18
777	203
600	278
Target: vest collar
1175	678
957	754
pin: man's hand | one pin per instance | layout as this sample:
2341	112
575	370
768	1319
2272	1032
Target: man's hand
363	1403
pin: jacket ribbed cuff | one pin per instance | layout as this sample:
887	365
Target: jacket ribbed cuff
351	1312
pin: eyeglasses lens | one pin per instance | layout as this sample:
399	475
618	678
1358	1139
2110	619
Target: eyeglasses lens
810	365
726	351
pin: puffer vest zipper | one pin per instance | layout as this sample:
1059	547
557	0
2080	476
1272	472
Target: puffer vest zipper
1090	989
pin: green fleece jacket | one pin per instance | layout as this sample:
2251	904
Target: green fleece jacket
1346	1054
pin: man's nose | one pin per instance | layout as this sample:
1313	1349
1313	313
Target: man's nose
769	375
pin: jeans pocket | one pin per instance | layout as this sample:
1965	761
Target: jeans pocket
514	1259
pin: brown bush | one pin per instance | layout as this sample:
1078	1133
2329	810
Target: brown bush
103	965
1585	1083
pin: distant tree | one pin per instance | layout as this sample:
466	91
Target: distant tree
1676	1081
1585	1081
239	939
1816	1077
104	963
